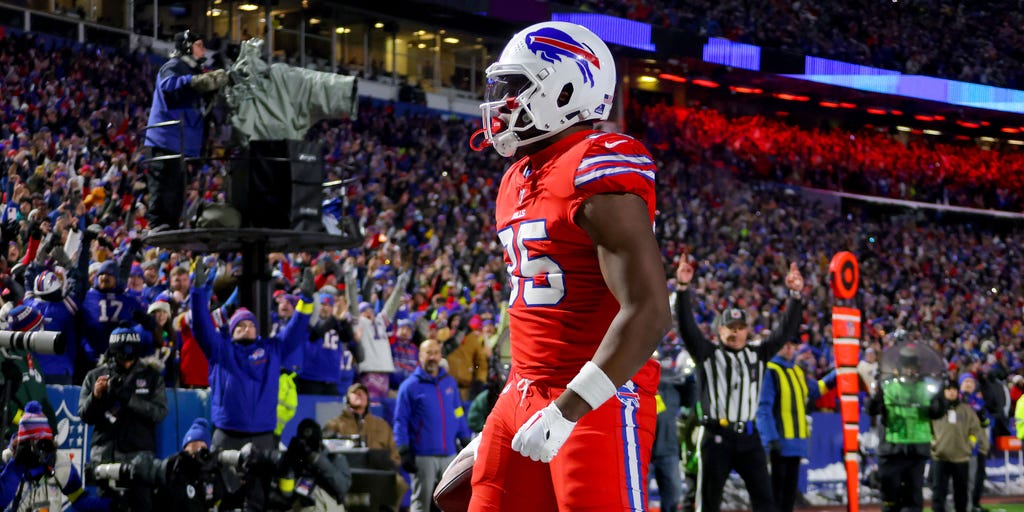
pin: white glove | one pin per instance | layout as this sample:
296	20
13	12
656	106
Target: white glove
543	434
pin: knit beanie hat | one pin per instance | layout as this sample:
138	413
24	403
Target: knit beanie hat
966	375
33	424
24	318
199	431
240	315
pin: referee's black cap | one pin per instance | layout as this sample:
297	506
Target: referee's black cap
731	316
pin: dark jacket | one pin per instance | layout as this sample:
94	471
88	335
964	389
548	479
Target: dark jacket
126	416
175	99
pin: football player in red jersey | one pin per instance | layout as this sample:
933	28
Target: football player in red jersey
574	426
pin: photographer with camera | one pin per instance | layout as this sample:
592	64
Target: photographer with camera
193	479
245	370
20	379
181	85
321	479
35	476
124	400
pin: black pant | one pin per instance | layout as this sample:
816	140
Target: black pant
941	472
979	481
166	184
785	477
902	478
312	387
724	450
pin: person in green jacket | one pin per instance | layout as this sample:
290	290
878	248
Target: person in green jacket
904	403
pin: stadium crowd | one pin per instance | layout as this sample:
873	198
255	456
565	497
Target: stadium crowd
69	127
971	42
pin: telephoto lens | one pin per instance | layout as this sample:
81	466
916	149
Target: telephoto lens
39	342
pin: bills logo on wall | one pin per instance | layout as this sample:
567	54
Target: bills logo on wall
72	436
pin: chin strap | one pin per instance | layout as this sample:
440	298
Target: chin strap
497	125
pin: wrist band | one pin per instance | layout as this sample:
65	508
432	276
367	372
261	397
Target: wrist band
592	385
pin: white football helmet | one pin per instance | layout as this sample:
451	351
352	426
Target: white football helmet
46	283
521	105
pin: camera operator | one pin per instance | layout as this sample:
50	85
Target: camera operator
180	86
320	479
124	400
35	476
20	379
193	477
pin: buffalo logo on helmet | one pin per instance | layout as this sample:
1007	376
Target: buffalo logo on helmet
551	44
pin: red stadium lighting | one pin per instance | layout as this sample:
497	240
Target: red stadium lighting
985	123
847	105
962	137
829	104
939	118
877	111
710	84
745	90
781	113
896	112
672	78
921	117
791	97
968	124
1010	130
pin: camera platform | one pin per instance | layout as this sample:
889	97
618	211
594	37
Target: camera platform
255	244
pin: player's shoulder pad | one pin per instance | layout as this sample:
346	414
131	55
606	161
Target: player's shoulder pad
608	154
613	143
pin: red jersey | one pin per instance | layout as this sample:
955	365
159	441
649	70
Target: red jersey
560	306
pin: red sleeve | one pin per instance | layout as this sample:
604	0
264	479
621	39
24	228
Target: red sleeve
614	164
31	251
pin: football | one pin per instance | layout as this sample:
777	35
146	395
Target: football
454	490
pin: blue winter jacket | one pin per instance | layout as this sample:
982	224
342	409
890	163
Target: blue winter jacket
244	378
767	420
429	415
58	317
175	99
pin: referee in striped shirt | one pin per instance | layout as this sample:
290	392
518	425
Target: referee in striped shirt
730	374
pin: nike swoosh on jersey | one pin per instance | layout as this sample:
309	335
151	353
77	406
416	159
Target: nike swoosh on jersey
611	145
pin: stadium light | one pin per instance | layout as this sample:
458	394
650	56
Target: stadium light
672	78
703	82
932	132
1015	142
791	97
877	111
987	139
248	7
745	90
903	128
646	79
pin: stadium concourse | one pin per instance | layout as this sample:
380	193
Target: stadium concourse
729	193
